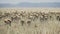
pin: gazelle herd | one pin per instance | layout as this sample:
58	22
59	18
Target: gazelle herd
48	22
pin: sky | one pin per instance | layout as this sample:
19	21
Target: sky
32	1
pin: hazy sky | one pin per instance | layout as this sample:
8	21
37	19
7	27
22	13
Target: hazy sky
33	1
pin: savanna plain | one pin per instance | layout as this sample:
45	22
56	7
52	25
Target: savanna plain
29	20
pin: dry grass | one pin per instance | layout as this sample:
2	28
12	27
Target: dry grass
30	20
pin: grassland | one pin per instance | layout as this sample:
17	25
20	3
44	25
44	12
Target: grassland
29	20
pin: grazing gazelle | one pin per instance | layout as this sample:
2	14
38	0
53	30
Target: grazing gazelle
7	21
43	17
28	22
22	22
58	18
